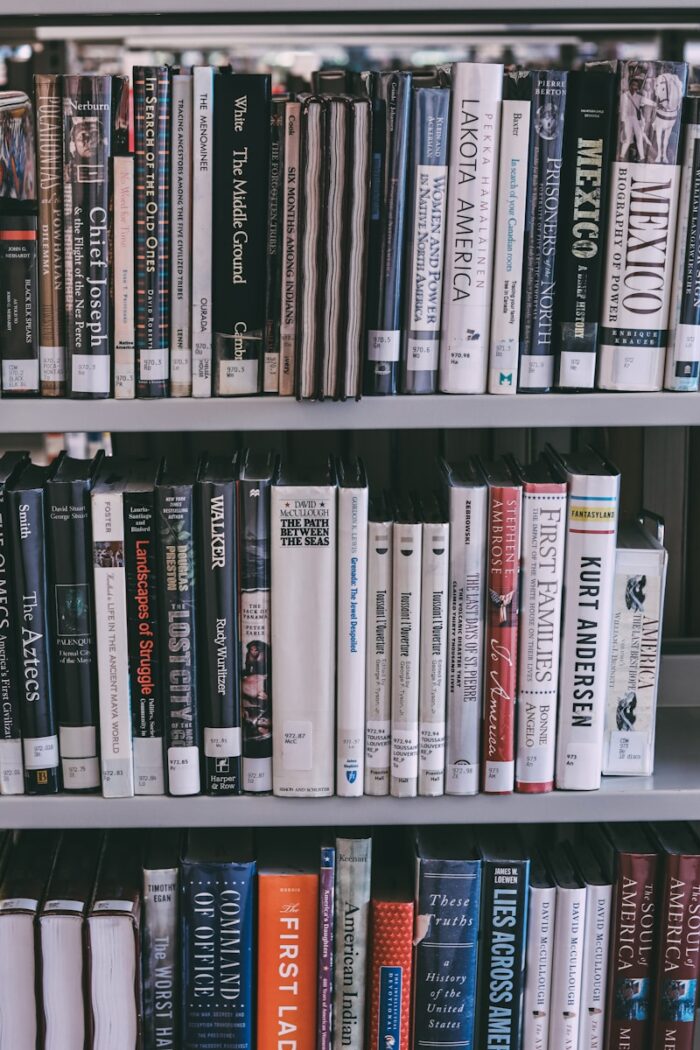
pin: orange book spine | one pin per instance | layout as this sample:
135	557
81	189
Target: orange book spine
391	932
287	961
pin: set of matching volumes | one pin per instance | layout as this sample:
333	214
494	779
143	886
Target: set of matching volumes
461	230
585	939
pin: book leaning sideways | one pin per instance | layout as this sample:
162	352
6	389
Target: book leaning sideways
644	199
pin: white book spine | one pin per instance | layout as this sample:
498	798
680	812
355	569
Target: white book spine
477	90
509	247
123	278
542	577
433	658
181	238
290	248
468	520
589	576
380	546
635	662
112	652
406	656
352	638
594	976
567	968
538	967
303	572
202	217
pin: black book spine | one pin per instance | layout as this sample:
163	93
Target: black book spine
255	633
176	572
241	161
391	112
11	685
273	286
683	354
536	372
19	280
72	606
152	183
220	687
39	730
87	130
144	641
590	99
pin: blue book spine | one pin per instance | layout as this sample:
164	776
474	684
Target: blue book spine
447	934
504	891
218	1005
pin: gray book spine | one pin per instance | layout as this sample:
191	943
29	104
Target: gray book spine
352	894
160	959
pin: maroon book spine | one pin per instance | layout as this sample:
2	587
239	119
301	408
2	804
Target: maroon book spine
630	975
678	954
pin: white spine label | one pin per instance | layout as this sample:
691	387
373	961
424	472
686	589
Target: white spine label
383	345
90	373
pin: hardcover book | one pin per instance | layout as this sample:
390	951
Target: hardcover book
123	277
11	685
326	946
542	904
290	247
380	557
48	103
594	860
390	971
160	942
567	955
405	647
312	258
275	223
333	284
435	571
352	896
203	78
357	241
181	236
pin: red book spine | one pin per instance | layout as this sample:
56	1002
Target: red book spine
391	932
678	955
501	651
631	952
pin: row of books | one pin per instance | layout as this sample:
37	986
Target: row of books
460	230
482	633
480	938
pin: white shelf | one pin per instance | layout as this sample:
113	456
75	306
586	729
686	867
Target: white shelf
371	413
673	793
87	9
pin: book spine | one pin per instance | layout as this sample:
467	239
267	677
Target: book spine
538	967
633	925
255	633
202	224
352	639
275	226
116	752
433	658
325	948
87	131
542	569
303	621
426	238
11	685
241	158
19	349
335	248
580	253
290	248
644	187
390	973
589	575
541	220
509	245
30	591
595	967
390	134
123	278
177	585
569	931
683	355
74	648
677	958
314	167
504	892
49	148
635	662
447	935
466	619
501	644
160	958
471	219
220	684
181	238
222	917
405	645
353	342
352	896
287	915
380	556
145	672
152	173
